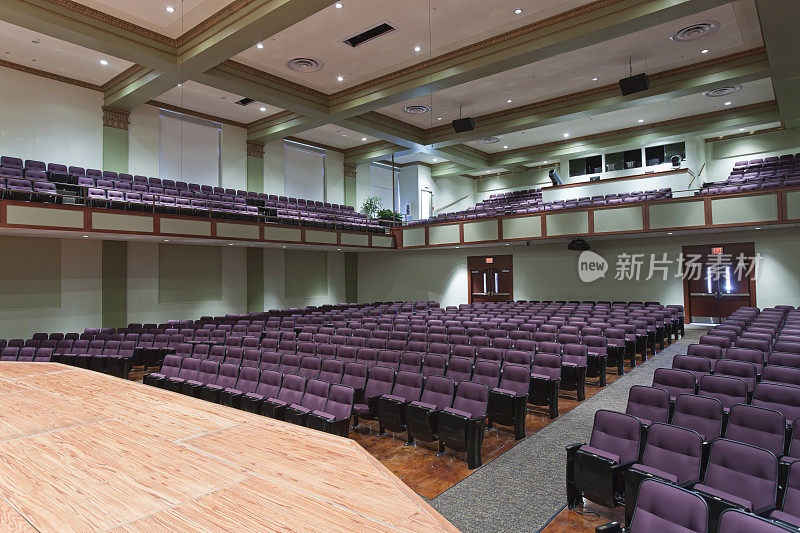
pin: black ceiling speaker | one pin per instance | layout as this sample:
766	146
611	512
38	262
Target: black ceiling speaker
578	245
634	84
460	125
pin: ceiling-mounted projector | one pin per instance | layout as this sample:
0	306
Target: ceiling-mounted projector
578	245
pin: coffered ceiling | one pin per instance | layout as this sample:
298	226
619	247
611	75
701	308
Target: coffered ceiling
527	70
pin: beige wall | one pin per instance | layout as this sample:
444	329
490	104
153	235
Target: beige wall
50	121
71	302
549	271
277	279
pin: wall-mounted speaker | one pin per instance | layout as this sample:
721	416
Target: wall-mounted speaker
634	84
460	125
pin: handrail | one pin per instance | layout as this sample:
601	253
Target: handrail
453	202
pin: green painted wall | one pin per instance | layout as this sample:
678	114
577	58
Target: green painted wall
351	277
350	191
255	174
255	278
115	149
115	284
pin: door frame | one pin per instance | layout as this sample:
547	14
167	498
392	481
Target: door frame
499	262
705	251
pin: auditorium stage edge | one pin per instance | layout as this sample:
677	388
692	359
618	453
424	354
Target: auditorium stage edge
83	451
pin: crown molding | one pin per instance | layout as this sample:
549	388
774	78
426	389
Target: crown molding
50	75
198	114
115	118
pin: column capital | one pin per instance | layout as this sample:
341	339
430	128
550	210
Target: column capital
349	171
255	149
115	118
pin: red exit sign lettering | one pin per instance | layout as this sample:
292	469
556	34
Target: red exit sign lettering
489	260
717	250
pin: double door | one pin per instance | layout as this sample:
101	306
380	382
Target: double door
720	283
490	279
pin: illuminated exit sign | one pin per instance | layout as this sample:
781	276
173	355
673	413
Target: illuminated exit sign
489	260
717	250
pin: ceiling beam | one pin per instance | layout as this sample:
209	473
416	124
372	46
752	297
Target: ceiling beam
579	28
745	116
778	26
371	152
743	67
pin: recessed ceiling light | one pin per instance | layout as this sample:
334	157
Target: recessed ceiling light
435	159
166	240
566	135
170	9
741	129
259	45
338	249
728	103
517	11
339	78
669	233
230	244
103	62
439	118
641	120
417	49
594	79
704	51
508	244
179	85
337	5
85	236
457	246
363	139
505	147
757	227
545	162
262	109
508	101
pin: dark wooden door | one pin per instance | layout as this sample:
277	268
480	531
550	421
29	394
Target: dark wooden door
716	283
491	278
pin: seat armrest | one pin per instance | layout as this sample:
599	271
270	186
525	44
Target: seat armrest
622	466
765	511
572	448
689	484
610	527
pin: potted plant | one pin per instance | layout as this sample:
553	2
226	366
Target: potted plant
387	217
371	206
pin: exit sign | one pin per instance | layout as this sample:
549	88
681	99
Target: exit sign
489	260
717	250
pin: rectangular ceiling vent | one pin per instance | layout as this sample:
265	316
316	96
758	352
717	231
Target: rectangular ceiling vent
245	101
373	33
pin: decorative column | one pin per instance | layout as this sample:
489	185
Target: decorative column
350	184
255	166
115	139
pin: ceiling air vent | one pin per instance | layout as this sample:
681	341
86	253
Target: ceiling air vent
723	91
416	109
244	102
489	140
305	64
381	29
695	32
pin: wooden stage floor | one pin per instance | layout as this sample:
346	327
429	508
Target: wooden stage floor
83	451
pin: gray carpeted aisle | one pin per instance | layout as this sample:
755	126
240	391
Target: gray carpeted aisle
524	488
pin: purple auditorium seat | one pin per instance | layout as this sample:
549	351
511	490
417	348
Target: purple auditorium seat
407	388
782	398
671	454
738	476
698	366
743	370
574	360
713	340
27	354
380	382
314	398
783	375
728	390
207	373
675	382
648	404
422	415
189	369
291	392
310	367
664	507
508	401
355	376
461	426
545	381
596	471
789	512
459	369
290	364
226	378
410	361
389	358
705	350
334	417
247	381
251	357
738	521
331	371
269	386
433	364
758	426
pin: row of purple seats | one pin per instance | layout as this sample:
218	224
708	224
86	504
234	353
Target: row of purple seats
26	354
